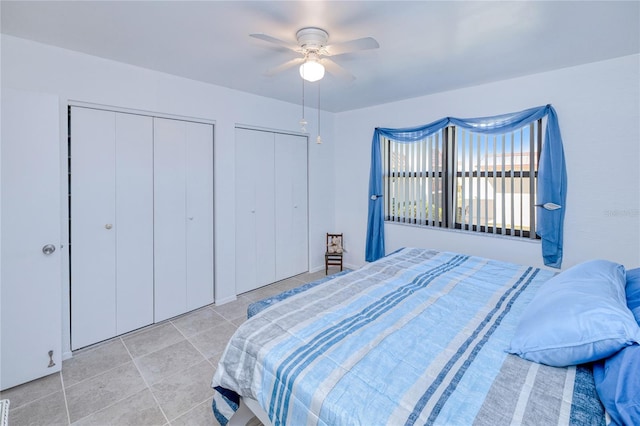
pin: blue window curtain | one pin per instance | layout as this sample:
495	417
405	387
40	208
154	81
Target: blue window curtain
552	175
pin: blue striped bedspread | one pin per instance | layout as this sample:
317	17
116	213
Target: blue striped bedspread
417	337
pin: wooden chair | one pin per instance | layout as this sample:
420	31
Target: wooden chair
333	255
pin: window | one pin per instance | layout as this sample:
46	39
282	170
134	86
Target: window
459	179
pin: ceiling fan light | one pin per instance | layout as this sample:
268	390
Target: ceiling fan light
312	71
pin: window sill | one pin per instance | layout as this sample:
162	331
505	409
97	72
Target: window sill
468	233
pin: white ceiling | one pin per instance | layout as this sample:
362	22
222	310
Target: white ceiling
425	46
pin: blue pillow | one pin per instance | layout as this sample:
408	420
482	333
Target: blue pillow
633	292
578	316
617	382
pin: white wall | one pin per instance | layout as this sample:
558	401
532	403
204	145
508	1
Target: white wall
597	105
598	110
78	77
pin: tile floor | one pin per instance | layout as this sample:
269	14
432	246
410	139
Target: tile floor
158	375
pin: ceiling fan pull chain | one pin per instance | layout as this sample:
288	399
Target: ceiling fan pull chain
303	122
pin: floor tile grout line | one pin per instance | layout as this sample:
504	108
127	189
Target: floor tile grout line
118	401
155	325
147	385
97	345
64	394
14	407
191	409
215	366
102	372
165	322
196	348
109	406
199	331
187	367
231	319
207	359
150	387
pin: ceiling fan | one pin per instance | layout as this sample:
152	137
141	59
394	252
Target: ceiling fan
312	45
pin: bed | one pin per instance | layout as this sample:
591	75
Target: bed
417	337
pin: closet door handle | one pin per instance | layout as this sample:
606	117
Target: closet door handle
108	226
48	249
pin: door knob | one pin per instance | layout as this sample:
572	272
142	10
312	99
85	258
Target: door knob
108	226
48	249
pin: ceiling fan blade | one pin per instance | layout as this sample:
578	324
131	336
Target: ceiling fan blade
270	39
285	66
365	43
337	70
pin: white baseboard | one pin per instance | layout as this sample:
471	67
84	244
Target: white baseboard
219	302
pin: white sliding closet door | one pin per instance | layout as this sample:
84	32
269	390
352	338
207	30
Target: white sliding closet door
183	211
134	217
30	280
199	201
111	224
255	209
170	211
93	255
291	243
271	207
